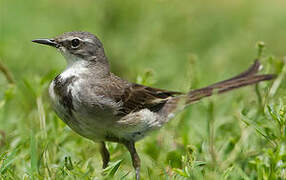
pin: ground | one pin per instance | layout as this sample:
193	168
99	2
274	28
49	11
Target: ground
175	45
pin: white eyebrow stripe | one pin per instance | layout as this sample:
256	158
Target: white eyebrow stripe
88	40
71	38
84	40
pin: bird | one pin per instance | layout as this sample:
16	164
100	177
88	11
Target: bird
102	107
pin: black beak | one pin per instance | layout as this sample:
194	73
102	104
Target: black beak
49	42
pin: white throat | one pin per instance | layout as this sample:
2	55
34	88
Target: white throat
70	58
75	69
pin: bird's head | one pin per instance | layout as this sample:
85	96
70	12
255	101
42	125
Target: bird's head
76	46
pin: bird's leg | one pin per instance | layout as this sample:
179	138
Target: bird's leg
135	158
104	154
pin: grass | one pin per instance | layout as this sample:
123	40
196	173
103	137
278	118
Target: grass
176	45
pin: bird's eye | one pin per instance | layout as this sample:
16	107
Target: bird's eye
75	43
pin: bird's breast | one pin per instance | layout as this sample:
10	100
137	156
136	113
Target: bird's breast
62	99
74	103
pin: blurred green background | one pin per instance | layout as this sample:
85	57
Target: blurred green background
172	44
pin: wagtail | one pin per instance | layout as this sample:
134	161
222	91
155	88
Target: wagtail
101	106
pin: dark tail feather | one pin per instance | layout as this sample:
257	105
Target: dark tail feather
245	78
252	70
228	85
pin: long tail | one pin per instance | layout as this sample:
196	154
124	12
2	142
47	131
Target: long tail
245	78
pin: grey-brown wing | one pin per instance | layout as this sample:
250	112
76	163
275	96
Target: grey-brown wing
136	97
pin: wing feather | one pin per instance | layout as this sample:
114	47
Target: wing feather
136	97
